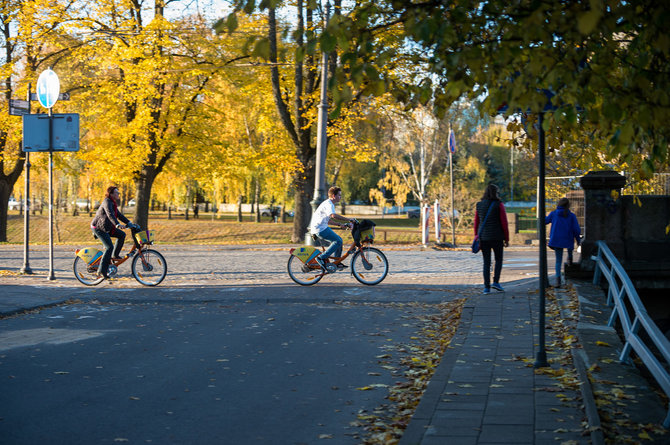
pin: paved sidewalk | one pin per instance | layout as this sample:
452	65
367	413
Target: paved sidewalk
486	390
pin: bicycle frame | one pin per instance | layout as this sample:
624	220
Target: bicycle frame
136	247
338	260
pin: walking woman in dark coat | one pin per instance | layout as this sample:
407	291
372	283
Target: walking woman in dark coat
105	225
494	235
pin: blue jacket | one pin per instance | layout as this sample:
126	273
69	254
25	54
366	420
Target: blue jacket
564	229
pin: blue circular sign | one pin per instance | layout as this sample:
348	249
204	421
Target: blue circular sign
48	88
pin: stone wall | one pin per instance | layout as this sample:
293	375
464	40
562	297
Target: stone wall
634	228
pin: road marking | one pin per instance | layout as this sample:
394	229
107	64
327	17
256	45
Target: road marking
32	337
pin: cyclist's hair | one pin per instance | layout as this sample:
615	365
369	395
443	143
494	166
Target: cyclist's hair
491	192
334	190
110	190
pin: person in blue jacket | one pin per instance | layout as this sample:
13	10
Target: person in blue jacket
564	232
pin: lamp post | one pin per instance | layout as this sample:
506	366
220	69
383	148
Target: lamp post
541	358
322	136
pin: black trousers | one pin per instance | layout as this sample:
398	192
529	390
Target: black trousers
487	247
106	240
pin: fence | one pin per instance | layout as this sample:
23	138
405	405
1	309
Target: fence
621	296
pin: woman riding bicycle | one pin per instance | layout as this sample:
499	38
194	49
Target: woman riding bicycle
319	226
105	225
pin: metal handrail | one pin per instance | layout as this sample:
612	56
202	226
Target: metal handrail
621	293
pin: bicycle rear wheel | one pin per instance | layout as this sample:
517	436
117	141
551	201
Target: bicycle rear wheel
152	270
301	273
369	266
86	274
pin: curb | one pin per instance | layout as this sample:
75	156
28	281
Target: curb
578	360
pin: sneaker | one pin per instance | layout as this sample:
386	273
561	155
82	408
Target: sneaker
487	290
498	287
320	262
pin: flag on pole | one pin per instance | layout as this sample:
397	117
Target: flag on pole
452	141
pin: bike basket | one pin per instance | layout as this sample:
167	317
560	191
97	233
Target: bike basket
145	237
368	234
89	254
305	254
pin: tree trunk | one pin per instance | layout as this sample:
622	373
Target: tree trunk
299	133
304	189
143	186
6	186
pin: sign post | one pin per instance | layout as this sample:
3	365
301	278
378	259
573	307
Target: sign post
48	87
49	133
26	216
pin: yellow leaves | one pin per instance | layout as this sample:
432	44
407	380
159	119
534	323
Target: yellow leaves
644	436
386	424
602	343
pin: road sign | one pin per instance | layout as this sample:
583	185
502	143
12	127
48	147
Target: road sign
65	128
61	96
19	107
48	87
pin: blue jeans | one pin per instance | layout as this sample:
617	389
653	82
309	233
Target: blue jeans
497	247
335	243
559	258
106	240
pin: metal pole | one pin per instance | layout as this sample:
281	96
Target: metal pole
26	218
322	137
51	275
451	180
511	175
541	359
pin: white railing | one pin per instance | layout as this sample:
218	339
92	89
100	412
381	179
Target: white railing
621	296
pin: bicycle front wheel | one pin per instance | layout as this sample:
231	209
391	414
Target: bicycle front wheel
152	270
369	266
302	273
86	274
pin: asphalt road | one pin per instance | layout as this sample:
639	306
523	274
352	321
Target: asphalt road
198	373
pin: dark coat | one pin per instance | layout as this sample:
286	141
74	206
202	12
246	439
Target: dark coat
107	217
495	227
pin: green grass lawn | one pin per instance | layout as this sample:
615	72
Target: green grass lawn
205	230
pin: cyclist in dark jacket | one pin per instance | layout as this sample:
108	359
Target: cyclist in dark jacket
105	225
495	234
